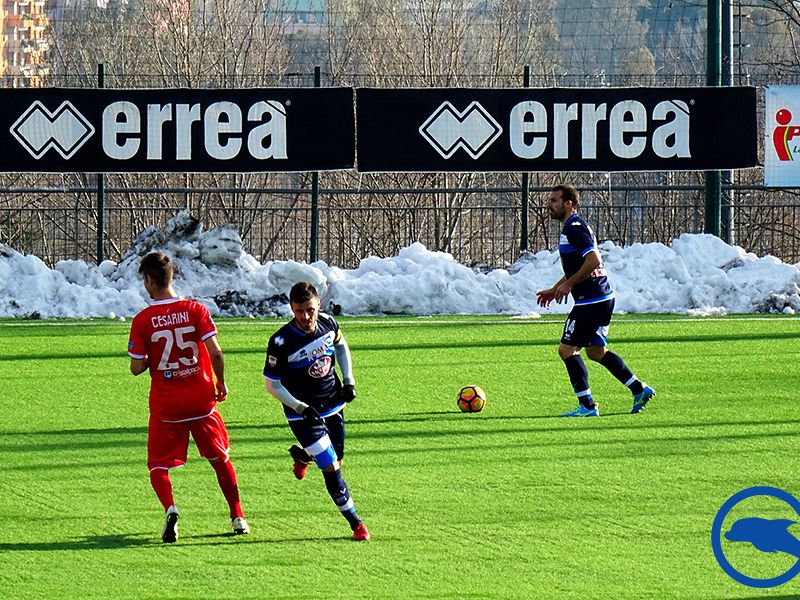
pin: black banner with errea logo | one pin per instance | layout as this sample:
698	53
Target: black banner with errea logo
556	129
424	130
177	130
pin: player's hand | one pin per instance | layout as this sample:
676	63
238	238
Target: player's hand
545	297
222	392
311	415
348	392
562	291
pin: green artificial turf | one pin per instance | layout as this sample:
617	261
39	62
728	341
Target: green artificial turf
513	502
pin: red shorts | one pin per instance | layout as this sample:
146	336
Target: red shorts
168	443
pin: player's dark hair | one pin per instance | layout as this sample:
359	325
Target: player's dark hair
158	267
302	292
569	192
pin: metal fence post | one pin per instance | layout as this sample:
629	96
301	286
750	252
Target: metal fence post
101	186
526	184
727	211
713	214
315	195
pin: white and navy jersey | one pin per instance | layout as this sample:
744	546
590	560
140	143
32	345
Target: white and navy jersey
305	365
576	241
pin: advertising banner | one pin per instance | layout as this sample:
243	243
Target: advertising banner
556	129
177	130
782	136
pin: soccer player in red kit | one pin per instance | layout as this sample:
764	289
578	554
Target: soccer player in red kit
176	339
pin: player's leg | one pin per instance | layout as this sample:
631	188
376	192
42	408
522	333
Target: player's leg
167	444
335	426
162	486
569	351
597	350
211	437
301	459
321	443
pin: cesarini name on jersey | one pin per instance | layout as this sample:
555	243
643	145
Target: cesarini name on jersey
628	124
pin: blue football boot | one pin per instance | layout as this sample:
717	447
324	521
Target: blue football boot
582	411
641	399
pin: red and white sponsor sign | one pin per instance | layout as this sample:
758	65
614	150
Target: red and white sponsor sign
782	136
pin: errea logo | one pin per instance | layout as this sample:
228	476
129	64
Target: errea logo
65	129
474	130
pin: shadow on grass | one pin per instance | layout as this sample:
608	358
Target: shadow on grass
619	421
94	542
255	539
622	420
141	432
124	541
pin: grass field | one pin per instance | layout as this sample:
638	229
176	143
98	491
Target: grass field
509	503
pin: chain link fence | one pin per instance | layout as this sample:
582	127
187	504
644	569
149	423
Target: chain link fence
476	226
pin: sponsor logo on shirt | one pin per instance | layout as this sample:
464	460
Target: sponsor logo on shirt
319	347
271	360
181	372
320	367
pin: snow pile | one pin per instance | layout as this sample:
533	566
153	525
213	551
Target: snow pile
696	274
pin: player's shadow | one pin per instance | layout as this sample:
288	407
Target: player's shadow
92	542
249	539
439	415
140	540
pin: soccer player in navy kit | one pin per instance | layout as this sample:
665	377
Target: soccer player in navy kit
587	323
300	372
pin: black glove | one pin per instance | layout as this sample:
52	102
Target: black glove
311	415
348	392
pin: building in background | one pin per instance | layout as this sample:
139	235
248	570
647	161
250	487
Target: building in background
24	43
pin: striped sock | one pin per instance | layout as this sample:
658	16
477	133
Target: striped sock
340	494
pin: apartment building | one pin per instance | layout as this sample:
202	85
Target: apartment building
24	44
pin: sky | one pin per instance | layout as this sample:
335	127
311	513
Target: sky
697	274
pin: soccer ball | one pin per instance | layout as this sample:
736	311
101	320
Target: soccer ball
471	399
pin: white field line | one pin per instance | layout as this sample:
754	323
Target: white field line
416	321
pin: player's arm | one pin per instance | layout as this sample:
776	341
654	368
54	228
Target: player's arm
345	361
273	369
137	348
279	391
139	365
590	262
217	365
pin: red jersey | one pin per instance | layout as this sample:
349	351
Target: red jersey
171	334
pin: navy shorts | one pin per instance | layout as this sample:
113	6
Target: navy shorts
587	324
309	433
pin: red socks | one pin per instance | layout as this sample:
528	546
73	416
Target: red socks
226	476
159	479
